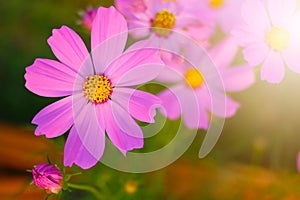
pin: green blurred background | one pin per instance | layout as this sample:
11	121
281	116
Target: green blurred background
262	137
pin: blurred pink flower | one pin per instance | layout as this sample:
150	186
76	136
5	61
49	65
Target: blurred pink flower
158	18
226	13
271	36
298	161
189	90
98	87
88	17
131	7
48	177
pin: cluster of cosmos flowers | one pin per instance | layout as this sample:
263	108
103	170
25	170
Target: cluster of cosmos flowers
99	86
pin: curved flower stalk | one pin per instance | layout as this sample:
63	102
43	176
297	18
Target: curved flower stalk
189	91
98	88
271	37
159	19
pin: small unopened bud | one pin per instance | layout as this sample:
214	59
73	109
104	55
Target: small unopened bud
48	177
88	17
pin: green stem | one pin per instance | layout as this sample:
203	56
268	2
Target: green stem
86	188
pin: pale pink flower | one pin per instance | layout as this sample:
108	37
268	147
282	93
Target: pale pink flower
99	89
271	36
48	177
159	18
189	94
226	13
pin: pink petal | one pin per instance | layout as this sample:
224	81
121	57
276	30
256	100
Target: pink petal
292	58
281	11
189	105
109	24
130	7
238	78
273	68
256	54
204	102
49	78
230	16
170	104
169	75
68	47
246	35
298	162
200	33
255	14
174	70
155	6
219	103
121	129
204	120
55	119
76	152
135	66
87	126
231	107
141	105
224	53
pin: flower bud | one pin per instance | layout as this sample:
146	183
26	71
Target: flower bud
88	17
48	177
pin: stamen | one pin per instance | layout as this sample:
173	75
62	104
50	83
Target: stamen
97	88
194	78
216	3
162	24
278	38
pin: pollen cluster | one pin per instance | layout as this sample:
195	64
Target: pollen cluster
97	88
194	78
216	3
278	38
163	22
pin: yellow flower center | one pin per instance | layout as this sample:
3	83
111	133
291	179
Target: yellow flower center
97	88
164	1
163	22
194	78
130	187
278	38
216	3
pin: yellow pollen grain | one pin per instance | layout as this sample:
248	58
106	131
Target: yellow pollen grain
216	3
163	22
194	78
97	88
278	38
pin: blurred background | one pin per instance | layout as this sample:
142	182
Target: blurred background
255	158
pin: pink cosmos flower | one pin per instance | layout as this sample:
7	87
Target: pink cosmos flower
159	18
88	17
99	89
190	96
48	177
226	13
271	36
